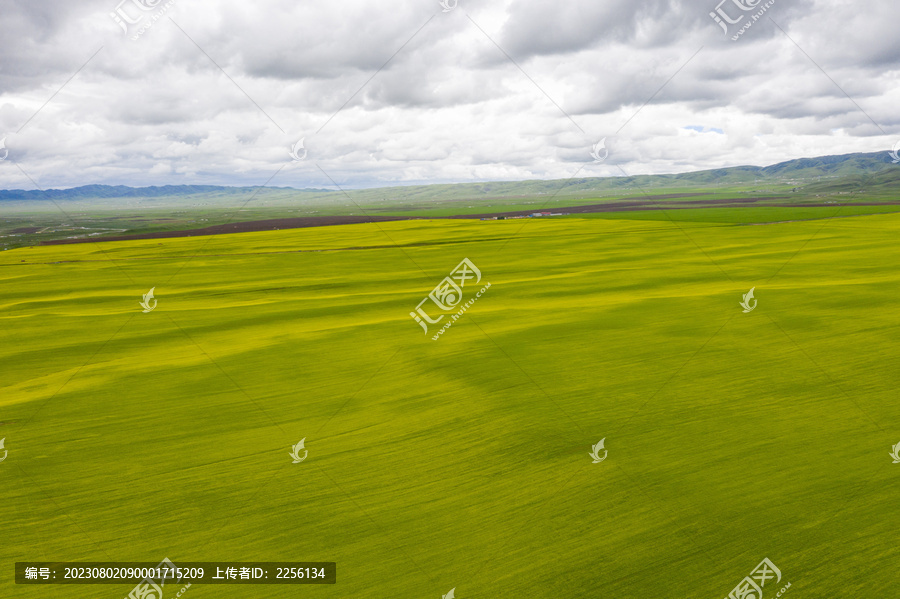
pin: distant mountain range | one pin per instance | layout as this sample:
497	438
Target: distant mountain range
847	172
123	191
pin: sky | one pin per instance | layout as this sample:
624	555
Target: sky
383	92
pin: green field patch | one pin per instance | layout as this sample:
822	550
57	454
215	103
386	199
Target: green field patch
464	462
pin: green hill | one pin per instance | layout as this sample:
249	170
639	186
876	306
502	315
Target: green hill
802	172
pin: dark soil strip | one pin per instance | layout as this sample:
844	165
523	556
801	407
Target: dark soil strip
272	224
637	204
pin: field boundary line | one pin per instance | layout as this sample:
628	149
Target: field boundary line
584	164
830	78
376	223
73	221
212	237
679	227
825	221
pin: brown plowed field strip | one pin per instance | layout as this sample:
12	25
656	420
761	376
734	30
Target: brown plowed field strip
274	224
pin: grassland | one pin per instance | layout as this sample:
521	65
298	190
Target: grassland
42	222
33	217
464	462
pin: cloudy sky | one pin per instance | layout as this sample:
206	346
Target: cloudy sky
385	92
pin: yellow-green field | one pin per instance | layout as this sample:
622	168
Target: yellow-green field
463	462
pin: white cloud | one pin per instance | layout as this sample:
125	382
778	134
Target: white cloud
450	105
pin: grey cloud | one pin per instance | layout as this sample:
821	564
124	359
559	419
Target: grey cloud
449	106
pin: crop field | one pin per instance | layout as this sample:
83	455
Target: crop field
463	462
88	217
